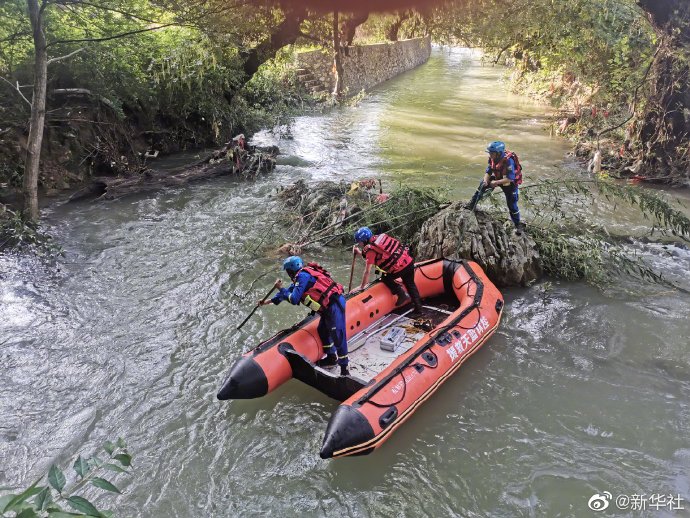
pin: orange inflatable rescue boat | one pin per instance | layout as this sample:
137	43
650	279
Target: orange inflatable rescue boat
396	362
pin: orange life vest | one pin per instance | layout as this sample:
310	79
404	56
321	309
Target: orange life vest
391	255
499	169
319	295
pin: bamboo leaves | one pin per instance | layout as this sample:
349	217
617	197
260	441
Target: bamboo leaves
81	467
43	499
14	503
124	459
81	504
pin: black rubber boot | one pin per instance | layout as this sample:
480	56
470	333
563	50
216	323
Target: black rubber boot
473	202
329	361
402	299
519	227
344	370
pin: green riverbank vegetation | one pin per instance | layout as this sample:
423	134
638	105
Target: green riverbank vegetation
96	87
617	70
90	87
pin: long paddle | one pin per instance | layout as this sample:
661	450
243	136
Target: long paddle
256	307
352	270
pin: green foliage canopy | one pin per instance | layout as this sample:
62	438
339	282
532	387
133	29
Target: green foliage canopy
606	43
177	64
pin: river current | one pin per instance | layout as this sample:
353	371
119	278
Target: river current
578	393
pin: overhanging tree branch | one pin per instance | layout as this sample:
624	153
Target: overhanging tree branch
392	32
16	36
66	56
284	33
500	53
634	101
350	26
16	87
111	9
114	37
310	37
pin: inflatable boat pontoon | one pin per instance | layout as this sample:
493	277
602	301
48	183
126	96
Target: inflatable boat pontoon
395	366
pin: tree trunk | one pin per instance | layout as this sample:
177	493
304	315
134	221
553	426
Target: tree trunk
392	32
38	112
665	126
337	58
350	26
285	33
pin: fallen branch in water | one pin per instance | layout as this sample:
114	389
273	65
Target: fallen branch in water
221	162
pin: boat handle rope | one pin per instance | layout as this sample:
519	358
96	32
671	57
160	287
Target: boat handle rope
430	278
388	405
366	398
479	318
277	338
467	282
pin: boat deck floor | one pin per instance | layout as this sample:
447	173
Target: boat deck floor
367	358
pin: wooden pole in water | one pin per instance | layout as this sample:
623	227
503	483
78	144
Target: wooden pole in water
352	270
256	307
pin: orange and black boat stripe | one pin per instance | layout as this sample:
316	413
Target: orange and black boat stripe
434	334
372	443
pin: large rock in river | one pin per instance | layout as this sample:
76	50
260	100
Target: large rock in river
458	233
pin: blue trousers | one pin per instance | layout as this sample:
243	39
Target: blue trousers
511	192
332	329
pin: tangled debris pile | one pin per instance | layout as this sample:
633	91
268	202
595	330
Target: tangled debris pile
235	158
330	212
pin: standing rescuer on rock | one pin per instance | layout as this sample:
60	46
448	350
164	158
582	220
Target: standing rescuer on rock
504	171
391	257
313	286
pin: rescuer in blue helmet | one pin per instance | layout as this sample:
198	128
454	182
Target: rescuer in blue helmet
393	259
314	287
504	171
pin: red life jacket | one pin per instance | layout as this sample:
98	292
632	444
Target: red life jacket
323	288
499	169
391	255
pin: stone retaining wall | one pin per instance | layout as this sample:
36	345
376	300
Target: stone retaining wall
367	65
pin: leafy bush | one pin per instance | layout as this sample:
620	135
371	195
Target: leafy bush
18	234
574	247
51	499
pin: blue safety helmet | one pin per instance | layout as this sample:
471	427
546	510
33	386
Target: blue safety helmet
363	235
293	264
496	147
